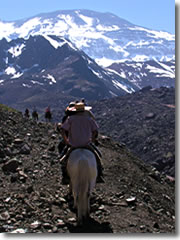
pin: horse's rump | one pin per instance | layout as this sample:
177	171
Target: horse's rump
82	168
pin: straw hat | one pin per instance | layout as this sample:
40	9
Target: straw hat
80	107
71	104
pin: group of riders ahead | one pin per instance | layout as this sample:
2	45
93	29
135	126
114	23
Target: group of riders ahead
78	129
35	116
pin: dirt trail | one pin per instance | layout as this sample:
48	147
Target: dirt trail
134	198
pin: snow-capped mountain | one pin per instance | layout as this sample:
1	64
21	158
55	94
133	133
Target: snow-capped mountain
41	66
142	74
103	36
52	56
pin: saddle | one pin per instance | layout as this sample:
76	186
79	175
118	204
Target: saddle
94	150
64	160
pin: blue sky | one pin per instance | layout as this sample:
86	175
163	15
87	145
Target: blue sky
153	14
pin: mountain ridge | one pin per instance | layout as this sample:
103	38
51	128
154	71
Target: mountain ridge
152	72
44	65
51	65
104	37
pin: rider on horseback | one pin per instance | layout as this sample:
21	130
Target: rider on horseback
26	114
82	131
48	114
35	115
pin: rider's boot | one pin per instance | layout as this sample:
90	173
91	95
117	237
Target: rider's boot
100	177
65	178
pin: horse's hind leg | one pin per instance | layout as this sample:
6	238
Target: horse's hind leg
88	206
70	193
75	201
82	208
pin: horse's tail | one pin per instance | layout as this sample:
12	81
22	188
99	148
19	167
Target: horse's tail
84	175
87	174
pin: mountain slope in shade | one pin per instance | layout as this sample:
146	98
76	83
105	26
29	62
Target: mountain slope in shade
142	74
105	37
145	122
45	66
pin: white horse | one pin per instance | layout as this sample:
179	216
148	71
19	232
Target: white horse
82	169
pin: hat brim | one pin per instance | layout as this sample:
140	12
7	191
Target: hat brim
86	108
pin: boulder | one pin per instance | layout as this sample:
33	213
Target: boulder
10	166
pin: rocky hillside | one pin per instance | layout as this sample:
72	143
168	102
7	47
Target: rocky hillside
135	198
145	122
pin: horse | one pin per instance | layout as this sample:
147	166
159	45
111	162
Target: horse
82	170
35	115
26	114
48	116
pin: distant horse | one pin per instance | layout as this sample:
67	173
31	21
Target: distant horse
35	115
82	170
48	116
26	114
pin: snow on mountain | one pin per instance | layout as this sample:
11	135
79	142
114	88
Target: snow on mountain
102	36
43	69
142	74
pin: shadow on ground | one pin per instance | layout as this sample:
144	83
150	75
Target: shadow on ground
91	226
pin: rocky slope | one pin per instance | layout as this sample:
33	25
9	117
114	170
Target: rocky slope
135	198
145	122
